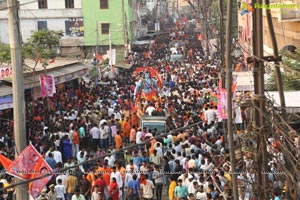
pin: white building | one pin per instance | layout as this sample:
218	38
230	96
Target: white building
59	15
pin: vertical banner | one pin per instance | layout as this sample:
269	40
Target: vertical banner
222	104
30	164
47	84
157	26
112	56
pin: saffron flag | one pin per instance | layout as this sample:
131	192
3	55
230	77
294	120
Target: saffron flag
199	37
5	162
30	164
47	85
100	57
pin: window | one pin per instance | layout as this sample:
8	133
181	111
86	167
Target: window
105	28
43	4
69	3
42	25
103	4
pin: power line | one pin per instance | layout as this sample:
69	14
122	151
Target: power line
98	157
8	7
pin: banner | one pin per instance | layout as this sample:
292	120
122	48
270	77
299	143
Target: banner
222	104
112	56
5	72
30	164
47	85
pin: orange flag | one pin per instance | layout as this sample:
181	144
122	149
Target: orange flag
5	161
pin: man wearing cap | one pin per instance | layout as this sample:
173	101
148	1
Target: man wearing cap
52	194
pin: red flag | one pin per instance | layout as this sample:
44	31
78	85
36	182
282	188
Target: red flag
30	164
52	61
5	161
100	57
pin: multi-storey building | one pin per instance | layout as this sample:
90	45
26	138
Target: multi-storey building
107	22
59	15
286	22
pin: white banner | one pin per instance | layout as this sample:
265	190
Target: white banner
112	56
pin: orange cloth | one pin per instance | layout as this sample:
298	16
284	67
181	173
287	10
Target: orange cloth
76	139
126	130
132	136
151	149
106	174
90	177
135	120
118	140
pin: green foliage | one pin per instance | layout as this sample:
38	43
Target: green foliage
41	45
5	53
291	74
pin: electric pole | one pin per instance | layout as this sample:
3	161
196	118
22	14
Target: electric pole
18	88
124	27
259	100
221	35
229	98
97	39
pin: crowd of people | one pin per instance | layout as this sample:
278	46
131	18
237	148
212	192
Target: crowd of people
98	126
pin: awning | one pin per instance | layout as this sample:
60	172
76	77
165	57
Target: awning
61	75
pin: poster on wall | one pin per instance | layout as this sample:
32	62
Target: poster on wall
5	72
47	85
74	27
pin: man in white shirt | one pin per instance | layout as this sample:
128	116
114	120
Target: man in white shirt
95	132
138	136
150	109
147	187
210	115
60	190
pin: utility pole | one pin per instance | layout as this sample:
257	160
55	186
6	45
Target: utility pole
97	39
229	98
18	88
278	81
124	27
259	100
221	35
110	47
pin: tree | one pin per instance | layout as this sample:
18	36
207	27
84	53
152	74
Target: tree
4	53
41	46
291	74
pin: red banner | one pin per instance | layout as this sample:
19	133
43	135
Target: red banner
30	164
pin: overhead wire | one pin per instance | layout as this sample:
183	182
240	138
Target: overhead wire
102	156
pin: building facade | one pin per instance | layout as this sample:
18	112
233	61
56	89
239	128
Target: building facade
58	15
286	23
107	21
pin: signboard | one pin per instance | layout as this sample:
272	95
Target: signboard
5	72
47	85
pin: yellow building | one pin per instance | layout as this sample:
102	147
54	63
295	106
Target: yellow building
286	22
